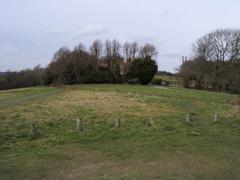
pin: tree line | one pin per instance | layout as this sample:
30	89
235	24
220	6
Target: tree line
23	78
215	64
108	62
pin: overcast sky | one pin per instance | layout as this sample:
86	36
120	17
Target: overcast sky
32	30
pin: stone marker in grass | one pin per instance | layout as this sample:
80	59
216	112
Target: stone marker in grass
79	125
187	118
34	131
150	122
238	110
194	133
215	119
117	123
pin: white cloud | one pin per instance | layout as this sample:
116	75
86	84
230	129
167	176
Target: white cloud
165	14
55	30
91	30
8	48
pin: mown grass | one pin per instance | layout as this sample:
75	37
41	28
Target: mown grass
171	149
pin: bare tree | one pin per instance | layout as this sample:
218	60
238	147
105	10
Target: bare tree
59	63
108	48
148	50
216	62
80	48
235	46
62	53
116	47
96	48
133	50
126	50
202	48
220	45
113	54
108	51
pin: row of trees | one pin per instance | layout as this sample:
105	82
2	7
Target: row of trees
108	62
216	62
24	78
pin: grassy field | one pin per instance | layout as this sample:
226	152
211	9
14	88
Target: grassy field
171	149
171	79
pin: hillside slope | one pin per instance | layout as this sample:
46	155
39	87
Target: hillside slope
171	148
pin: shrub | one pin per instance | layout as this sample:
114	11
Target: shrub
144	69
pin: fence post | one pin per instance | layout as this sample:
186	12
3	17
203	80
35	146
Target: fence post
215	119
150	122
34	130
117	123
238	110
187	118
79	125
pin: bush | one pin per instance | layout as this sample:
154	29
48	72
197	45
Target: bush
144	69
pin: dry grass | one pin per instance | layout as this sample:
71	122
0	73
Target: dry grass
101	103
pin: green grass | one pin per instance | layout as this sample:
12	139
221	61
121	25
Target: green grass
171	149
171	79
